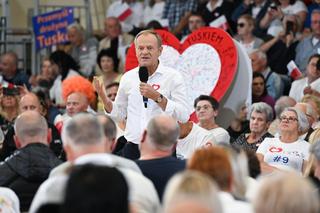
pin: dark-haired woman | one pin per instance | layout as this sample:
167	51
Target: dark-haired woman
63	64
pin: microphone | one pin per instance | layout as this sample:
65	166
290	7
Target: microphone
143	76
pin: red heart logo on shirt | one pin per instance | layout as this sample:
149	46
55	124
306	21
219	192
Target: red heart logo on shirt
275	149
155	86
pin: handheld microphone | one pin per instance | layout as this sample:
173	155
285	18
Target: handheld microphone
143	76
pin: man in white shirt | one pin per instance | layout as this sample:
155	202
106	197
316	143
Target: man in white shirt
309	84
165	90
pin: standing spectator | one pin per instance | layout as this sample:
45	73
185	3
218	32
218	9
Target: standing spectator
273	80
84	51
214	9
32	163
195	22
65	66
156	161
10	72
315	5
261	116
245	27
206	108
9	108
309	45
256	9
134	20
116	40
178	12
153	11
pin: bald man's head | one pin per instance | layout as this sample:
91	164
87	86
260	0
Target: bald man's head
30	127
28	102
76	102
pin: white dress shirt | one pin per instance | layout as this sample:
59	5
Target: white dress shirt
128	103
298	86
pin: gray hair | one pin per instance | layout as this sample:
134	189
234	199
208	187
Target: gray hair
163	131
303	124
152	32
260	54
315	149
264	108
282	103
78	27
31	125
109	127
192	186
83	129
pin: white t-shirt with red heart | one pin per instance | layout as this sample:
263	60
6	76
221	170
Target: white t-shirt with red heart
287	156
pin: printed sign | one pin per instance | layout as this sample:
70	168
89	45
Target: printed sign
51	28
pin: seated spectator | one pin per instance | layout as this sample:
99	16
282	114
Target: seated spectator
108	63
31	138
276	12
9	108
192	137
9	201
153	11
30	102
309	45
261	116
282	103
287	152
178	12
273	80
245	27
45	78
63	64
214	9
206	108
315	5
259	90
215	162
10	72
256	9
93	188
116	40
83	50
283	45
157	143
309	84
314	102
134	20
195	22
240	124
274	191
191	191
311	115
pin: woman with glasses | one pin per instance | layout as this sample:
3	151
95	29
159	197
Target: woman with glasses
245	27
287	152
261	115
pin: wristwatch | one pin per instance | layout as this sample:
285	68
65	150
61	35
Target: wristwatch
159	99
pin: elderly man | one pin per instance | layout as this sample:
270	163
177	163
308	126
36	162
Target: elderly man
9	70
156	161
309	84
84	51
24	171
116	39
165	91
87	141
309	45
273	80
30	102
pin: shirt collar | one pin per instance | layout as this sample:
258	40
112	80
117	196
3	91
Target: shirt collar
218	4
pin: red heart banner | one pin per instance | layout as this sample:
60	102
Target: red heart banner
207	59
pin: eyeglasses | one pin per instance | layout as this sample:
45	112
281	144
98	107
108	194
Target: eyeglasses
241	25
288	119
205	107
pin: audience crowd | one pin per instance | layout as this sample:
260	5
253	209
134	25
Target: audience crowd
75	139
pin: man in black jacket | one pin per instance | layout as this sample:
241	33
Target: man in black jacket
32	162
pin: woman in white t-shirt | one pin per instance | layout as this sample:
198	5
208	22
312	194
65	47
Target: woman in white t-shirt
287	152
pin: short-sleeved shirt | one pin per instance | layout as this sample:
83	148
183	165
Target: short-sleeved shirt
288	156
